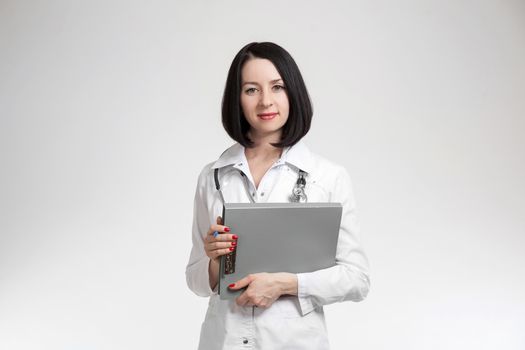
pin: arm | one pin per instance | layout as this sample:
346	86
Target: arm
264	288
197	270
348	279
202	270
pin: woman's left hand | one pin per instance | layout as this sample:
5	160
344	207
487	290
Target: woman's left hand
264	288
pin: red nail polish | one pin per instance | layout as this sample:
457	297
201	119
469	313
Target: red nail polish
234	244
231	285
235	236
226	229
231	249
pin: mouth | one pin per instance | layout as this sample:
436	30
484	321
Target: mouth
267	116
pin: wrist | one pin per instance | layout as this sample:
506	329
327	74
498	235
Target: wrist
213	272
287	283
215	261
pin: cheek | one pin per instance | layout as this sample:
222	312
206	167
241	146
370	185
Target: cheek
243	101
283	103
246	105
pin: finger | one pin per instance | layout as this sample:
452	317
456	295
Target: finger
219	220
245	300
221	245
229	240
242	300
226	237
220	252
243	282
218	229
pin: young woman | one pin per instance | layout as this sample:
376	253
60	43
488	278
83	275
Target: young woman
266	109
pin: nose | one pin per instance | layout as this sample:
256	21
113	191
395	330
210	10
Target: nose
265	101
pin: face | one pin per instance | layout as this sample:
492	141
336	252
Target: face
264	100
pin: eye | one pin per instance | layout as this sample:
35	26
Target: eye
278	87
250	91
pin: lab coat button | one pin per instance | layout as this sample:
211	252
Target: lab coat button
245	341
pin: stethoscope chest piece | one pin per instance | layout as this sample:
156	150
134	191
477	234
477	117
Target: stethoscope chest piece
298	193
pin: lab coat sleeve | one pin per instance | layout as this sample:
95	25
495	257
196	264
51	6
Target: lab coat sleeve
349	278
197	273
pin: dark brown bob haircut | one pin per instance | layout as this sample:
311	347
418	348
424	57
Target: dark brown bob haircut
300	111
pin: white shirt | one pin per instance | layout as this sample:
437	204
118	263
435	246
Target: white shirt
291	322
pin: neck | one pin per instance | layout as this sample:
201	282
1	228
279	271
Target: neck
262	147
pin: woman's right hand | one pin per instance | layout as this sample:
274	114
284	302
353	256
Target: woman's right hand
221	243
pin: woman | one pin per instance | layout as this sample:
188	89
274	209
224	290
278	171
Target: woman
266	109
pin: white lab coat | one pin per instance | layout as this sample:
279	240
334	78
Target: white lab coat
292	322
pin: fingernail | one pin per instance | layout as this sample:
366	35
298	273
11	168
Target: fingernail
226	229
231	285
235	236
231	249
234	244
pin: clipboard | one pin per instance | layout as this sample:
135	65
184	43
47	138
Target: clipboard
278	237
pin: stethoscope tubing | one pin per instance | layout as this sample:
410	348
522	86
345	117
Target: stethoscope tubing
298	194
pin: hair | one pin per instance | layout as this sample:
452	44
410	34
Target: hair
300	110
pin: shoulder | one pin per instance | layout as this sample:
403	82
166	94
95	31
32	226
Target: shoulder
326	170
203	181
230	156
321	171
205	172
333	178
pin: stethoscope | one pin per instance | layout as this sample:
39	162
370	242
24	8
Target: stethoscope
298	194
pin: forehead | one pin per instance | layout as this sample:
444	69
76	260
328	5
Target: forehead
259	70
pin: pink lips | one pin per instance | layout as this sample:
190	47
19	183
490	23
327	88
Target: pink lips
267	116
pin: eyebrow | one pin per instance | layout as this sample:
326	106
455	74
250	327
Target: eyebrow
254	83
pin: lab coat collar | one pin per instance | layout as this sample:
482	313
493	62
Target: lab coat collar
232	156
297	155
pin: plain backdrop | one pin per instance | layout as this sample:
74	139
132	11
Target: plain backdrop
110	109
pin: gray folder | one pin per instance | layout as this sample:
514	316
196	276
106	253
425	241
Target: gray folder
279	237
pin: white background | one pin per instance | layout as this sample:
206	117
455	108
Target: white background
109	110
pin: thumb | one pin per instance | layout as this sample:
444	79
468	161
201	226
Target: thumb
219	220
